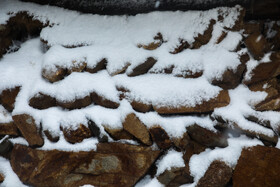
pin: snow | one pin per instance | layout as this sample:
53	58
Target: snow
5	116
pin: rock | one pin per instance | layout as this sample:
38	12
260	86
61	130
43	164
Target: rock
257	45
77	67
118	134
143	68
203	39
269	104
77	135
217	174
192	148
121	69
188	74
95	131
207	106
54	75
252	27
2	178
153	45
75	104
6	147
134	126
258	166
182	46
182	142
42	101
102	101
141	107
221	37
160	137
113	164
207	137
99	66
265	71
51	136
175	177
27	126
8	98
239	23
9	129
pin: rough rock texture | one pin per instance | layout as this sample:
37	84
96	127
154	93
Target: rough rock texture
180	47
42	101
204	38
102	101
77	135
54	75
140	106
75	104
9	129
258	166
113	164
134	126
99	66
1	177
28	128
175	177
160	137
6	147
52	137
77	67
143	68
8	98
207	106
118	134
158	40
207	137
218	174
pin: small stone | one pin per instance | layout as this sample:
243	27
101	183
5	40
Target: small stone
6	147
217	174
134	126
8	98
182	46
118	134
99	66
175	177
141	107
182	142
51	136
9	129
54	75
258	166
28	128
160	137
257	45
77	135
153	45
143	68
102	101
75	104
42	101
77	67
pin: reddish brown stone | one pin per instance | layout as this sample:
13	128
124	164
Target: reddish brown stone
203	39
175	177
218	174
140	106
207	106
42	101
118	134
51	136
160	137
134	126
102	101
143	68
207	137
99	66
257	45
113	164
75	104
77	67
8	98
252	27
9	129
77	135
54	75
28	128
182	142
257	167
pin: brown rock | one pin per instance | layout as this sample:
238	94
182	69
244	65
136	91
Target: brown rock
27	126
218	174
175	177
182	142
9	129
42	101
189	74
113	164
257	45
2	178
221	37
96	132
99	66
134	126
258	166
77	67
252	27
102	101
121	69
118	134
181	47
207	137
153	45
140	106
143	68
76	104
77	135
6	147
239	23
207	106
192	148
54	75
51	136
8	98
160	137
203	39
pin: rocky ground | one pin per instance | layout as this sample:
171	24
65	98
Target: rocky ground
159	99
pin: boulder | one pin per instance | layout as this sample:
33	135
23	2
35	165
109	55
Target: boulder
9	129
112	164
257	45
75	104
76	135
217	174
28	128
134	126
42	101
175	177
54	75
102	101
8	98
207	137
99	66
160	137
143	68
258	166
221	100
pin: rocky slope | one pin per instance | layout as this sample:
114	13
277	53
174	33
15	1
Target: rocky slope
159	99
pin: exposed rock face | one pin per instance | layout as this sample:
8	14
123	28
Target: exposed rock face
135	127
77	135
175	177
52	137
113	164
143	68
54	75
160	137
207	106
258	166
27	126
42	101
207	137
218	174
8	98
9	129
